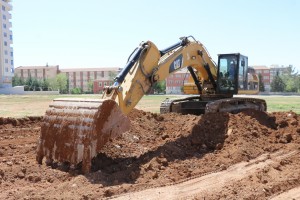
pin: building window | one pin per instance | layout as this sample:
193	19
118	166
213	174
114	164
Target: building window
4	17
100	84
4	25
105	83
3	8
10	37
6	69
11	54
5	43
5	34
12	62
5	52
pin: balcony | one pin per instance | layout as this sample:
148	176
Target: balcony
7	5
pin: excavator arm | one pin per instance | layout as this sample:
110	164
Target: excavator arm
149	65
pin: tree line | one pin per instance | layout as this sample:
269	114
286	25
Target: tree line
288	82
60	83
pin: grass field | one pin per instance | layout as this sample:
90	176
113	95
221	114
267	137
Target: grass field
36	105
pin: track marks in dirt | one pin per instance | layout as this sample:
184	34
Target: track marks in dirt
212	183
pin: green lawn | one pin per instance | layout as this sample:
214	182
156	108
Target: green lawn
36	105
152	103
282	103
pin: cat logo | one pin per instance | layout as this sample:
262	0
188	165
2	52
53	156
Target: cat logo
176	64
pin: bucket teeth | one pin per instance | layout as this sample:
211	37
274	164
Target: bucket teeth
75	130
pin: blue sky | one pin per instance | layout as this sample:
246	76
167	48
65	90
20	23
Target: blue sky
98	33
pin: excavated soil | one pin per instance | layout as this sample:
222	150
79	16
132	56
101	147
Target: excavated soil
249	155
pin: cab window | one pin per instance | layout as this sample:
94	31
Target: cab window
227	73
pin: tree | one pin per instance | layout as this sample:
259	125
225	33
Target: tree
261	83
28	83
17	81
31	84
112	75
62	82
53	85
277	84
90	87
68	85
35	85
76	91
44	84
291	83
291	80
160	87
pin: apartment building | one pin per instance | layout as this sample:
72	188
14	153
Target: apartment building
174	82
265	73
6	50
81	78
38	72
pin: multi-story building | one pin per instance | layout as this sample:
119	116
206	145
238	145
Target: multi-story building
265	74
6	51
100	84
268	73
81	78
77	77
38	72
174	82
279	70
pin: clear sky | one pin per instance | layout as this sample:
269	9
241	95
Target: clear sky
103	33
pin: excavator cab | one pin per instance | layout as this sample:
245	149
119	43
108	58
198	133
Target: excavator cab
232	73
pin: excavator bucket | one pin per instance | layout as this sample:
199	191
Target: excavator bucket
75	130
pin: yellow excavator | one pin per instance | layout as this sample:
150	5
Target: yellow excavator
75	130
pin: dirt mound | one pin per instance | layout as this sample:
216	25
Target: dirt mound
160	150
18	121
191	145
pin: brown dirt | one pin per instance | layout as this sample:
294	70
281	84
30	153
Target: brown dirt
250	155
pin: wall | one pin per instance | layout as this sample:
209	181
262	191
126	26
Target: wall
20	90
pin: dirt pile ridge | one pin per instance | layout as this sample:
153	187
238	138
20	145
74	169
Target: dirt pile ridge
159	150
